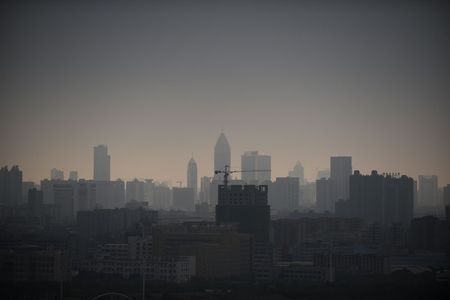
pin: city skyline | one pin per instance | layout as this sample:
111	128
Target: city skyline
300	81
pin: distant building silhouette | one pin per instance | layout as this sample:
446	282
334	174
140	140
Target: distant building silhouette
324	196
299	172
161	197
64	202
446	195
205	189
284	194
101	163
192	176
56	174
379	199
246	206
252	160
222	154
26	186
10	186
135	190
340	171
73	175
428	190
323	174
183	198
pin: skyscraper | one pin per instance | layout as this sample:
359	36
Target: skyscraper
222	154
428	190
340	171
299	172
192	176
101	163
252	160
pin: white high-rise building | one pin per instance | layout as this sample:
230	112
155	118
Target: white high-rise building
252	160
101	163
192	176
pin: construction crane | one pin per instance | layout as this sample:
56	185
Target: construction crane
226	172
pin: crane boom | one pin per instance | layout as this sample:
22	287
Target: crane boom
226	172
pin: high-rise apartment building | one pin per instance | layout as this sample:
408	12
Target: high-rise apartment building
428	190
56	174
284	194
101	163
246	206
73	175
380	199
340	171
10	186
252	160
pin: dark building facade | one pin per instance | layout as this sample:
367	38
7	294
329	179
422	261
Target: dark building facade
245	205
379	199
10	186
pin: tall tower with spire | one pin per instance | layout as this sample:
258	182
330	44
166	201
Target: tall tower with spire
222	154
192	175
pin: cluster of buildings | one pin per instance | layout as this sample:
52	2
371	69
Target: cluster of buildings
253	228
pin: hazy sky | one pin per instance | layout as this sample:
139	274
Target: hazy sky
158	80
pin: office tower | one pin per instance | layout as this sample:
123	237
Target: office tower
325	173
10	186
299	172
252	160
205	186
385	200
446	197
26	186
135	190
307	195
192	176
56	174
246	206
428	190
101	163
222	154
340	171
324	200
73	175
284	194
